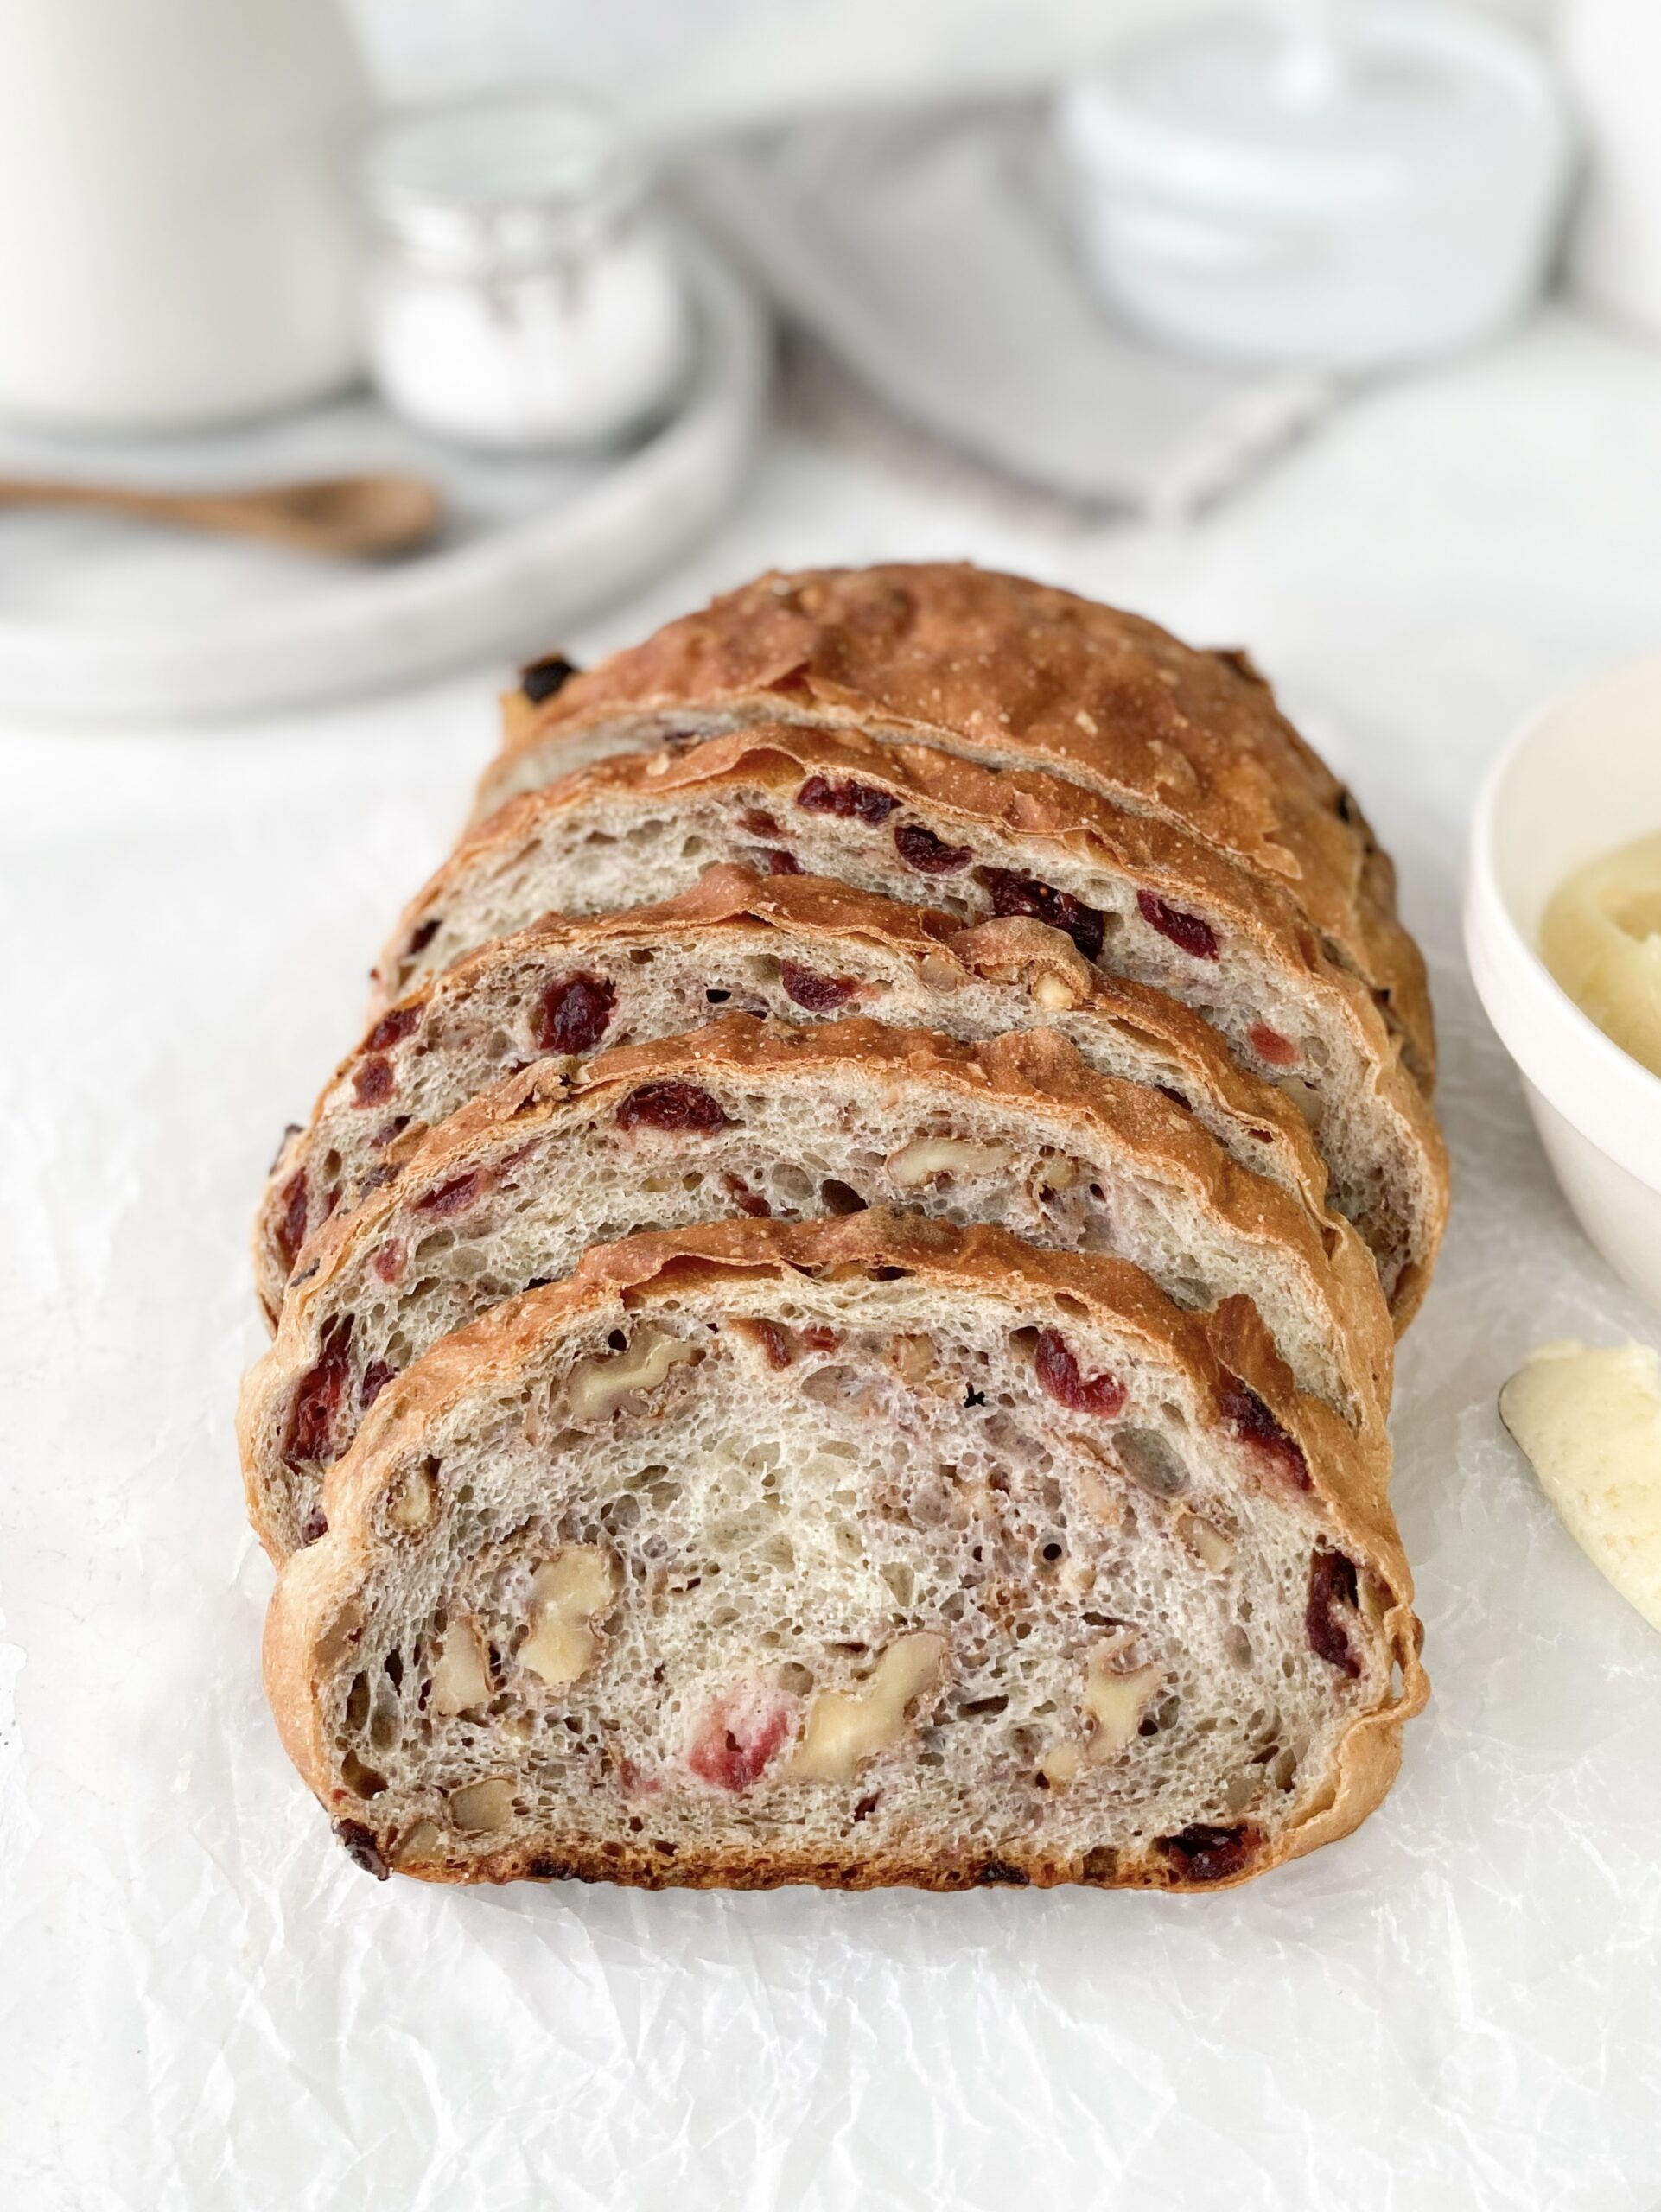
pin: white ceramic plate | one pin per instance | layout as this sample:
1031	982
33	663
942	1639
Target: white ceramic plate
106	620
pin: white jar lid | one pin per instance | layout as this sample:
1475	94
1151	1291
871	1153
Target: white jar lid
1379	101
507	179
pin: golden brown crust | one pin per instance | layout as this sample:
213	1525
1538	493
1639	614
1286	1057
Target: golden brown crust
773	761
1008	670
1215	1349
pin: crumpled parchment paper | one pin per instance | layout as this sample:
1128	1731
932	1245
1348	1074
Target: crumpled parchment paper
203	2004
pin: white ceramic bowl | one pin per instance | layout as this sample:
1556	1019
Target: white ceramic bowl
1583	778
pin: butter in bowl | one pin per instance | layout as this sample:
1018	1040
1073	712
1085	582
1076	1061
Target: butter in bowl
1562	930
1601	939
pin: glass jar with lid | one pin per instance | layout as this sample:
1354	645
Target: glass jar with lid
523	293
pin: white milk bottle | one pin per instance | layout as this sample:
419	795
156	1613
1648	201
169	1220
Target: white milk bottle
177	239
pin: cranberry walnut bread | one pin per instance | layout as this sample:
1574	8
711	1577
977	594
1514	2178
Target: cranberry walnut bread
753	1118
1010	673
874	1367
1139	900
860	1552
793	946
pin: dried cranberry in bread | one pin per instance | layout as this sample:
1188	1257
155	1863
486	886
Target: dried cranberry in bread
1012	674
1138	898
752	1118
863	1551
794	946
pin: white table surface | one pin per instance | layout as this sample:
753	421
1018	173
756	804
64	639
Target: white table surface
203	2004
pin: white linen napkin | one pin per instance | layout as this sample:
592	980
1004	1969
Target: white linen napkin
929	253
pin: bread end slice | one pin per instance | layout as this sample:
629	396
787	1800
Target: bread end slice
852	1553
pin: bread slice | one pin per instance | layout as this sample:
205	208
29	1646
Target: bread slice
798	947
747	1117
863	1551
1012	674
1139	899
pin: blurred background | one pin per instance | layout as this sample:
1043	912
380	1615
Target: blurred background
678	63
346	342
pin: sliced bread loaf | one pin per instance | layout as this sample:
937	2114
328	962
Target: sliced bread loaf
1138	898
863	1551
1013	674
798	947
753	1118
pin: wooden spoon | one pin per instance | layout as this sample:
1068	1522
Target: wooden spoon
344	518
